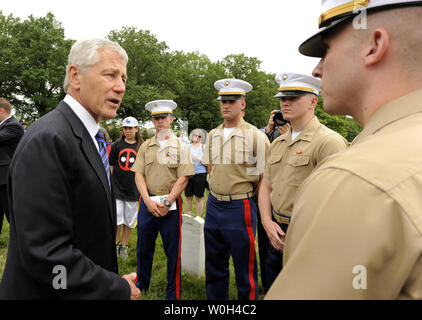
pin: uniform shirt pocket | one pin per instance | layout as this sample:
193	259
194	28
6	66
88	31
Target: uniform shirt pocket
250	160
274	163
172	156
168	156
172	165
300	168
275	158
149	158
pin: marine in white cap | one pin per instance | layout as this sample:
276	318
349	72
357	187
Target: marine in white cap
356	231
161	108
232	89
291	159
162	169
235	153
278	126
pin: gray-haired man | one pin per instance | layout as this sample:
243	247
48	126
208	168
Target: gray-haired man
62	211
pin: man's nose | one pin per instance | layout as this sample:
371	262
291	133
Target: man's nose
317	72
285	102
120	86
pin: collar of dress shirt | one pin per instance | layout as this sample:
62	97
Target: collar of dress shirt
90	124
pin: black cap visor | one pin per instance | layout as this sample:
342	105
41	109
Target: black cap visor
291	93
161	115
230	97
314	46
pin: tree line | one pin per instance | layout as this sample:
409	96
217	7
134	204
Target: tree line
33	58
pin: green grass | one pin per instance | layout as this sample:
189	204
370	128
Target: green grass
4	240
193	288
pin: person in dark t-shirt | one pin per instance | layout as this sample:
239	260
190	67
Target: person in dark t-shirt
122	157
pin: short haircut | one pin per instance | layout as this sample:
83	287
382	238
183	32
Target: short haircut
84	54
5	104
403	25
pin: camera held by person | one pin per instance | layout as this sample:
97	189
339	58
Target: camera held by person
278	119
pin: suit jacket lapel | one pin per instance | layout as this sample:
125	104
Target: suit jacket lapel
90	151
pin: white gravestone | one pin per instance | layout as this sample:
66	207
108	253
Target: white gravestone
193	247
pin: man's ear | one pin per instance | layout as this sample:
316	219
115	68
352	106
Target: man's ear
313	101
74	76
377	46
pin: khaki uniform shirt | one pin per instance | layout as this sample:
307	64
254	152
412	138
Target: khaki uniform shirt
238	161
163	166
356	231
291	162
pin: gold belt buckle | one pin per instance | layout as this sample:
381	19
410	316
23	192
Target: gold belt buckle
281	220
220	197
228	198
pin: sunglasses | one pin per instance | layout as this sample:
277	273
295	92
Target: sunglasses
195	135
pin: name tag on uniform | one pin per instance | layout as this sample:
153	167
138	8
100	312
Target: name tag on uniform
161	199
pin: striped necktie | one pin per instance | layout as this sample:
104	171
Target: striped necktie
103	153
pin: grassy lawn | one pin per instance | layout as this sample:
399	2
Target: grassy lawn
4	240
193	288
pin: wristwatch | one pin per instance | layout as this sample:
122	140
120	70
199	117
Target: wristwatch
167	203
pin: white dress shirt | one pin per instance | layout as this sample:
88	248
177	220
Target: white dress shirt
90	124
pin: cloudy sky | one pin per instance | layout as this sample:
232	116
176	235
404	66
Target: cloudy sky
270	30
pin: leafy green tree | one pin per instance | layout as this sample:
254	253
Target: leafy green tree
36	54
146	71
353	128
260	101
9	74
191	77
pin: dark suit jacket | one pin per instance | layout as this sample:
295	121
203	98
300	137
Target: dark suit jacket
11	132
62	215
272	135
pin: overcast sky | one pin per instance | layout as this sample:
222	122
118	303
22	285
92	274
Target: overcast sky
270	30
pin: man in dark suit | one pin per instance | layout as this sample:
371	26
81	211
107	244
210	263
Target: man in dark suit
62	212
10	134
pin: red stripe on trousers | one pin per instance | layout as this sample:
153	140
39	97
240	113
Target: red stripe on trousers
139	202
139	205
248	222
180	248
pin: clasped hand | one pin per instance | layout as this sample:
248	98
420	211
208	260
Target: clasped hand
157	209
